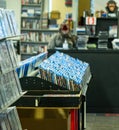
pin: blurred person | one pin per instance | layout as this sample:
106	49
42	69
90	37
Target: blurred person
64	35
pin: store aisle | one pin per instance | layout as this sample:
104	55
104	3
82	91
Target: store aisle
102	121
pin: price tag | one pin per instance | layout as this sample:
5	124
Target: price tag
90	20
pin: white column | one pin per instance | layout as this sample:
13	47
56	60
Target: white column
16	6
75	14
92	6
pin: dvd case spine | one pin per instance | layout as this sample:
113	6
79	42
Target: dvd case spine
13	21
3	23
9	89
17	82
16	117
12	53
6	63
7	28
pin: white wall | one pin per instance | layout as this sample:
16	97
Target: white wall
16	6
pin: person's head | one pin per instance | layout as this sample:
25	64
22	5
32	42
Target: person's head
64	29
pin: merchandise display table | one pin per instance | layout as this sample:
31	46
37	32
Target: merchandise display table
63	109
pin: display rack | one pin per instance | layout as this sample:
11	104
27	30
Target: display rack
10	88
43	94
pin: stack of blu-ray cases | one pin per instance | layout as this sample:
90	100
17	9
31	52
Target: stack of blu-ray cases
65	71
29	65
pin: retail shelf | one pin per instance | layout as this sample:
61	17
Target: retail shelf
32	5
13	101
12	37
40	30
28	54
53	101
30	17
30	42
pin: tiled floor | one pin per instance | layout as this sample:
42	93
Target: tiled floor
102	122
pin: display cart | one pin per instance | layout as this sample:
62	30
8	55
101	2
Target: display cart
70	104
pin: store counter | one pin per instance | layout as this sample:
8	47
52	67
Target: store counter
103	90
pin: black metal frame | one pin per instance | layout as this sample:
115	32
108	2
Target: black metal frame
37	89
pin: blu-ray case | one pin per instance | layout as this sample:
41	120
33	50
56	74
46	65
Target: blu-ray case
3	24
10	22
4	121
9	93
6	64
3	95
6	24
15	117
12	53
9	119
1	29
3	125
13	21
17	82
13	84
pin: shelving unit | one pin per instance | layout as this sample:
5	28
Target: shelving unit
35	26
10	88
31	22
103	24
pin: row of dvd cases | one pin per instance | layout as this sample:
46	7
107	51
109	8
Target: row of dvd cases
8	24
10	88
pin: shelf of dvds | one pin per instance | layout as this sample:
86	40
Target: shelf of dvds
31	23
29	17
34	22
10	88
29	48
32	5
